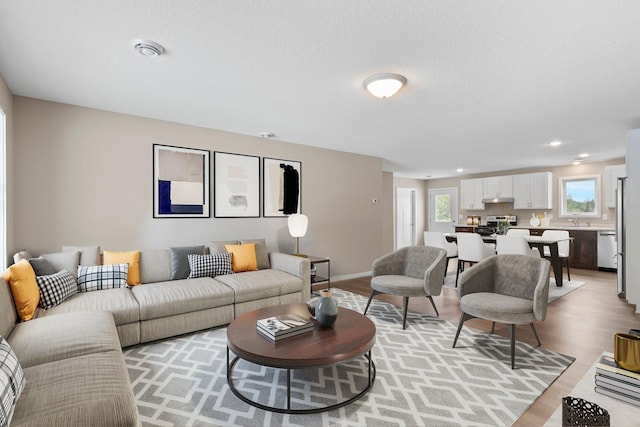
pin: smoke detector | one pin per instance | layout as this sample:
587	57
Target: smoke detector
148	48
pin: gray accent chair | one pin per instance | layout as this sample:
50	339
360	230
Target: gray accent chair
510	289
410	272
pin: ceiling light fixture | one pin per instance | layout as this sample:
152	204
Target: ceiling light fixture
148	48
384	85
555	143
583	155
267	134
459	170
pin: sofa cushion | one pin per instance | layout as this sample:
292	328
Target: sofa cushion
88	390
253	285
20	255
120	302
155	266
11	382
180	262
89	255
131	257
209	265
62	336
24	288
41	266
101	277
244	257
8	314
55	288
180	296
218	246
262	254
64	261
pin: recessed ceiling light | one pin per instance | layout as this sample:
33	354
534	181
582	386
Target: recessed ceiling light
583	155
267	134
577	162
148	48
555	143
384	85
459	170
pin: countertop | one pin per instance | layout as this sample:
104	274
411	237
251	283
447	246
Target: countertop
602	227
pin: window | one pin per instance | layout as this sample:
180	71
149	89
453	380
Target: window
580	196
443	208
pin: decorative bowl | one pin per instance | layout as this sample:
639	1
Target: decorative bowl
626	351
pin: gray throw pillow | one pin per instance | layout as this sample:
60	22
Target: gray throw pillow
64	261
180	261
218	246
262	255
89	255
42	267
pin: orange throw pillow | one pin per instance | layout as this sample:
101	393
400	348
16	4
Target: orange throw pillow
243	257
24	288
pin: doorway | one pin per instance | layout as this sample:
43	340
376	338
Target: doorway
443	209
405	217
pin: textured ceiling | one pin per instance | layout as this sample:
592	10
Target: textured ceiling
490	82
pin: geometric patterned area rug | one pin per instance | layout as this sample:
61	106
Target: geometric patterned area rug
554	291
420	379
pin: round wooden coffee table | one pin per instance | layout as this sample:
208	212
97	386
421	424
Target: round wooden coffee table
351	336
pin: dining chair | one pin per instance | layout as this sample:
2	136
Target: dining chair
518	232
564	246
409	272
510	289
437	239
471	250
514	244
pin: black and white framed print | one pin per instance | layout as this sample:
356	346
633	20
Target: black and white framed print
181	182
236	185
282	187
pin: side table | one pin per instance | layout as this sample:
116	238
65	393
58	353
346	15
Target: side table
317	278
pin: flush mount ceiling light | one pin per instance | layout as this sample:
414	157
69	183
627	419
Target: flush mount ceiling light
148	48
267	134
384	85
555	143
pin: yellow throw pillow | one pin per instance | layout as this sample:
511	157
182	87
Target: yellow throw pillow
132	258
243	257
24	287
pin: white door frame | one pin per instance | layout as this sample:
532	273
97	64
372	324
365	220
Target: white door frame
448	227
405	217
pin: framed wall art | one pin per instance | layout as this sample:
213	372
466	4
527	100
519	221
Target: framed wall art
236	185
282	187
181	178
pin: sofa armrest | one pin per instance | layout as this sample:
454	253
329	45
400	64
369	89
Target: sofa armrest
295	265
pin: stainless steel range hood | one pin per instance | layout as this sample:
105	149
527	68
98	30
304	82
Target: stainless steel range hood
498	200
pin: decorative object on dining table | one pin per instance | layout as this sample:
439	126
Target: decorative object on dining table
326	309
580	412
534	221
626	351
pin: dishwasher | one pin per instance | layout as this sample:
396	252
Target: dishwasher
607	249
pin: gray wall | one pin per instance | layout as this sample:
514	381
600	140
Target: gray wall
84	176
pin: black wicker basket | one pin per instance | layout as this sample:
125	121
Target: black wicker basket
579	412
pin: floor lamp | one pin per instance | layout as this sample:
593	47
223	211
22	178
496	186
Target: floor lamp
298	228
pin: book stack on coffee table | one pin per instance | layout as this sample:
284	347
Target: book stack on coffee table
617	382
283	326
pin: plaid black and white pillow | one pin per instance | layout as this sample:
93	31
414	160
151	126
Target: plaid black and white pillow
11	382
100	277
55	288
209	265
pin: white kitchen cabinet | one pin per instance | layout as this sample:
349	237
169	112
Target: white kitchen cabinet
496	187
471	194
611	175
532	191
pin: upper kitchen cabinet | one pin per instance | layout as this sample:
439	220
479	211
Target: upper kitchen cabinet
532	191
611	175
471	194
497	187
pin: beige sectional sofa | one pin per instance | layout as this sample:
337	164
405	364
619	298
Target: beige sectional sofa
71	353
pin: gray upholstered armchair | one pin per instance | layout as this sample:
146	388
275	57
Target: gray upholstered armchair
511	289
409	272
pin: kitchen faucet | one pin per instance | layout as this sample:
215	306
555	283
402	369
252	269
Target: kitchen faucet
574	221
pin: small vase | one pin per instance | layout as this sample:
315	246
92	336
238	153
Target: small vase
326	310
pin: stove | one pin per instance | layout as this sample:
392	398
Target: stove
494	220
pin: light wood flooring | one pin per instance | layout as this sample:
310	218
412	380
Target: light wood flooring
580	324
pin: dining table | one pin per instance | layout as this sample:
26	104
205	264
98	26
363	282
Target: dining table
537	242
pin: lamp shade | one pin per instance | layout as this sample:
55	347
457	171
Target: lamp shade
297	225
